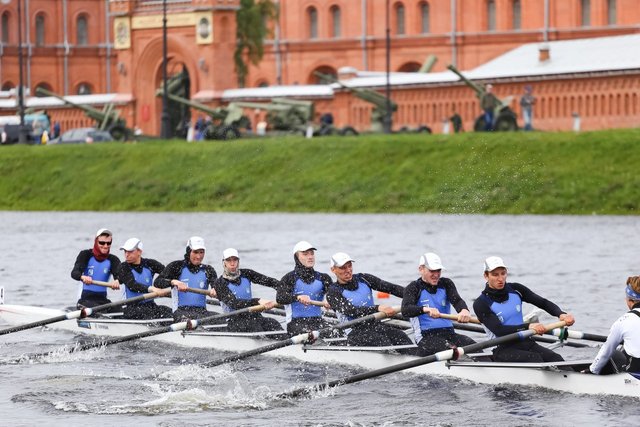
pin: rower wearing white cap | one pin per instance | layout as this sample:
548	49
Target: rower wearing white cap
499	308
301	286
625	331
189	272
234	292
96	264
425	298
351	297
136	274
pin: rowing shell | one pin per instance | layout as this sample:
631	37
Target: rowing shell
563	376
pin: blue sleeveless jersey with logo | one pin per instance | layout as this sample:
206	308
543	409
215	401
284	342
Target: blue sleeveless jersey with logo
98	270
144	278
241	291
315	291
424	322
509	312
193	280
361	297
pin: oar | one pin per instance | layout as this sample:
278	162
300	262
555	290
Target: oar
178	326
82	313
455	317
298	339
564	333
440	356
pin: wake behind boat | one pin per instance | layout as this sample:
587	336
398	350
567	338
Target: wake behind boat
562	376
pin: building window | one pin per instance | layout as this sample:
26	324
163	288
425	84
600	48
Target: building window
585	15
612	12
45	86
517	14
40	30
491	15
424	18
84	89
336	21
312	14
400	19
82	35
5	27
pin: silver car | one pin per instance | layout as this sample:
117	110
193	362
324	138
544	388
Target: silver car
82	135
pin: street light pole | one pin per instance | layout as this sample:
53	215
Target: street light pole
23	132
387	117
165	131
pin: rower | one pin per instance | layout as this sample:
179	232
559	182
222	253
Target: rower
499	308
428	296
234	292
189	272
351	297
625	330
301	286
97	264
136	274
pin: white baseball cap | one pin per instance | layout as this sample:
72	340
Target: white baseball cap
339	259
230	252
302	246
195	243
131	244
104	231
493	262
431	261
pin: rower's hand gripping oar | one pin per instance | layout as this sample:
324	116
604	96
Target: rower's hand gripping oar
299	339
85	312
454	354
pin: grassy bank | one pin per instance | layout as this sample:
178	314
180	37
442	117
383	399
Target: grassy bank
514	173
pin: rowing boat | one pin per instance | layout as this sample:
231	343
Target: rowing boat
563	376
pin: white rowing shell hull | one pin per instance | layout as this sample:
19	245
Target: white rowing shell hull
538	375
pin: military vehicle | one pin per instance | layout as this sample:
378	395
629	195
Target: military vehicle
504	117
106	119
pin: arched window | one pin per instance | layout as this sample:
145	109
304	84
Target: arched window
585	14
40	30
612	12
82	35
263	83
400	19
425	26
409	67
336	22
6	86
84	89
312	15
516	10
5	27
45	86
491	15
323	69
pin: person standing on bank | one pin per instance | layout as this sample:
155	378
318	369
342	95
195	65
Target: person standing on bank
425	299
98	264
526	103
499	308
234	292
136	274
489	103
301	286
186	273
351	297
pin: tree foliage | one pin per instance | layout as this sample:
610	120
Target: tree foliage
253	25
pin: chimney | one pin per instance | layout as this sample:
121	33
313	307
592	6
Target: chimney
544	53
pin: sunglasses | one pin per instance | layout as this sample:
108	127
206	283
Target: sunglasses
104	243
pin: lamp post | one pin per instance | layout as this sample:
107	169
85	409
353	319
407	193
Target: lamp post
387	116
165	131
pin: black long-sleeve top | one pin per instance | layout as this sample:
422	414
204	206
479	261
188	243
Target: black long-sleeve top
491	320
341	304
83	259
221	285
174	269
286	290
410	307
125	274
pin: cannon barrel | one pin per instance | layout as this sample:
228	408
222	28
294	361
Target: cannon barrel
215	113
368	95
479	90
428	64
260	106
91	112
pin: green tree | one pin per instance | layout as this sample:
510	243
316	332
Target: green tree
252	20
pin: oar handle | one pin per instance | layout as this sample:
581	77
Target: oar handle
101	283
455	317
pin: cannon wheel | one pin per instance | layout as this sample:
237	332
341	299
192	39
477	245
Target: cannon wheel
423	129
119	132
348	131
506	122
478	125
227	133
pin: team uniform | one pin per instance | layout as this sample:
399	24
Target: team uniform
433	334
235	294
355	299
89	263
625	330
136	280
500	312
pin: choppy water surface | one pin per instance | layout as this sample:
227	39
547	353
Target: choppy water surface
581	263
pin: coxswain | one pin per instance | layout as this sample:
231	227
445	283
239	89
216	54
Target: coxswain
234	292
625	331
189	272
136	274
98	264
499	308
351	297
425	299
301	286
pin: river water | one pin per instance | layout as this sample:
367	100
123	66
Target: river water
581	263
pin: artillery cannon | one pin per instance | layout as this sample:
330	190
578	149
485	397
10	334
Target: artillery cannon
504	117
106	119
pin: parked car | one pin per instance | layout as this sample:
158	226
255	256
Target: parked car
82	136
